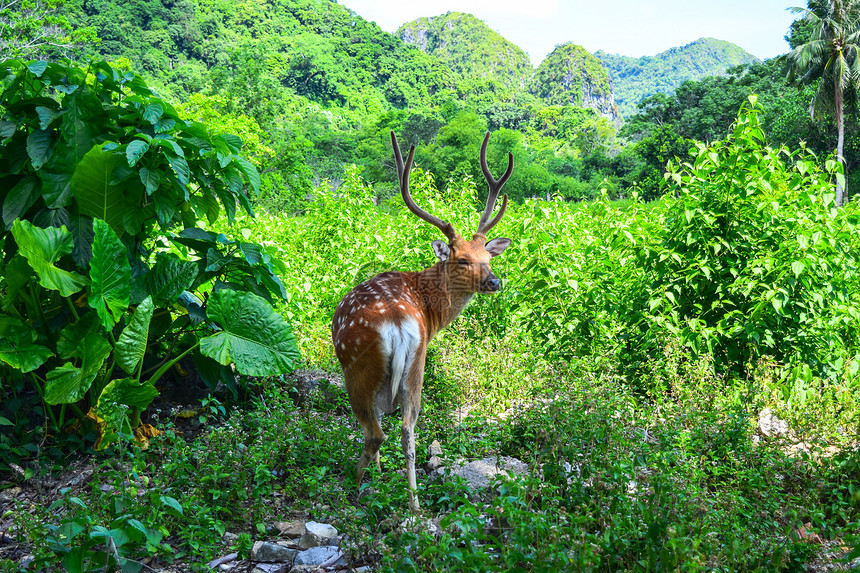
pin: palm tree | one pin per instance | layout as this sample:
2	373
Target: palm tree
831	56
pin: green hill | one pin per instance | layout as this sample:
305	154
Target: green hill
570	75
318	48
636	78
470	48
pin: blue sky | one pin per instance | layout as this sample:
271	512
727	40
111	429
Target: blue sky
626	27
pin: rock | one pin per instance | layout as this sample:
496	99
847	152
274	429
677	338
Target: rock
415	522
318	555
269	552
291	529
433	464
434	449
769	425
317	534
11	494
272	568
314	385
806	534
798	450
220	562
321	529
479	472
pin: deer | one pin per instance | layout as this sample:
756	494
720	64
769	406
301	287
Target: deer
382	327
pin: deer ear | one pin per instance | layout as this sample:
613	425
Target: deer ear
497	246
442	250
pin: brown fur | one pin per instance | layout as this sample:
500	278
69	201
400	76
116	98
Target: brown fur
433	298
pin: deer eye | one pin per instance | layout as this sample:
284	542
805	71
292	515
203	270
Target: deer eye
462	262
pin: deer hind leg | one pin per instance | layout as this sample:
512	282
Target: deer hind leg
373	438
379	424
411	406
361	385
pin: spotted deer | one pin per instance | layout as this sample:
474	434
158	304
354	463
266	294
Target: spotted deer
382	327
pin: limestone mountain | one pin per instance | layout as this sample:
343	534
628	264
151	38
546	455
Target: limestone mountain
470	48
633	79
572	75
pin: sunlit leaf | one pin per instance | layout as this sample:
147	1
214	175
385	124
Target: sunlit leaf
254	336
110	275
43	248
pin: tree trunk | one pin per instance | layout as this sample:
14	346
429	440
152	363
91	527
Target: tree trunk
840	127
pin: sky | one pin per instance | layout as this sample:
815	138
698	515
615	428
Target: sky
627	27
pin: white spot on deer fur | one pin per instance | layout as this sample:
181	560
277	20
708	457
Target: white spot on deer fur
399	343
342	346
380	304
351	322
401	306
381	311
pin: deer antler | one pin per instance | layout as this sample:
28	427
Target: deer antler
485	224
403	177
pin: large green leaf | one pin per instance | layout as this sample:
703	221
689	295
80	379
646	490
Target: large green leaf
256	338
20	198
81	228
135	151
110	274
84	123
43	248
131	345
168	278
68	384
128	392
18	346
56	181
70	344
16	274
250	172
111	412
40	145
98	191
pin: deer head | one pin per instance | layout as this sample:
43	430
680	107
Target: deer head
466	262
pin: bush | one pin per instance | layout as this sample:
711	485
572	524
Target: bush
754	259
104	193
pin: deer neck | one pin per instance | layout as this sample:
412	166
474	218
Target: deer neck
441	304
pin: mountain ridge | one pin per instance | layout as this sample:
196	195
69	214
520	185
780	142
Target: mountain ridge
612	84
634	79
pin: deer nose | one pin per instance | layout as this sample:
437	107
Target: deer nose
493	284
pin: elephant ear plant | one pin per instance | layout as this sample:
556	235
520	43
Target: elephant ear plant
107	278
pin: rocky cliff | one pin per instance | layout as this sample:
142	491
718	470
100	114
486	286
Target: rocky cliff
470	48
571	75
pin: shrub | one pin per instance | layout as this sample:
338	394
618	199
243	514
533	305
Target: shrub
104	190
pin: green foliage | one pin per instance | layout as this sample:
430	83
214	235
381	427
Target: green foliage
99	174
830	59
469	48
755	259
639	441
633	79
571	75
34	28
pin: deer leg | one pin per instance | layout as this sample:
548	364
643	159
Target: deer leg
411	405
378	423
363	406
373	438
407	440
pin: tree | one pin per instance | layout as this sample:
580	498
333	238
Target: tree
29	28
831	56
